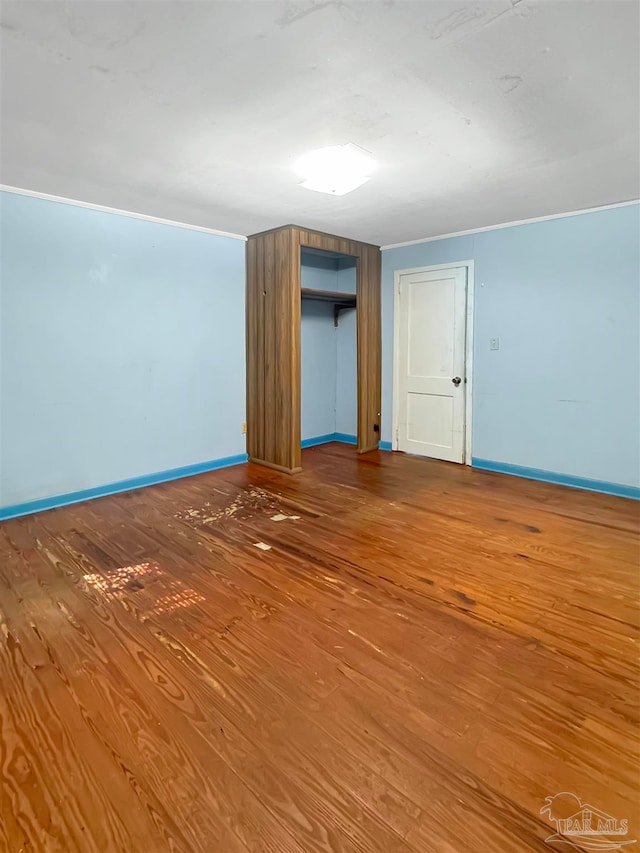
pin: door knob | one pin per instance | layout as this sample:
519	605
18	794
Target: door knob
456	380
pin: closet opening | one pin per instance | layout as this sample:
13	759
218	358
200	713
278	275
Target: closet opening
327	288
329	366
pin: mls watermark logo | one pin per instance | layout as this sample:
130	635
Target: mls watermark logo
582	826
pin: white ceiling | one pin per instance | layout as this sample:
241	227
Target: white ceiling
478	113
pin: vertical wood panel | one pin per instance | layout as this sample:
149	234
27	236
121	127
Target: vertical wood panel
283	321
295	354
251	346
369	348
270	372
260	302
273	354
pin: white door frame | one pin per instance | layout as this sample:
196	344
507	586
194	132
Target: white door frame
468	348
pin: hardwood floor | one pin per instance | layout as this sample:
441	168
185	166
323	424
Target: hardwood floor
414	660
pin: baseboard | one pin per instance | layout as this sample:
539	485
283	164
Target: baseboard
339	436
346	439
329	437
42	504
319	439
617	489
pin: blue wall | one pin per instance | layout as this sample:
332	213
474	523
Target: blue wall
318	350
328	354
123	348
562	393
318	370
347	357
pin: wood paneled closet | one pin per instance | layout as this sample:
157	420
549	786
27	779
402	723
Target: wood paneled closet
273	307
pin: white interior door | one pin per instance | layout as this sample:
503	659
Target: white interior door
431	363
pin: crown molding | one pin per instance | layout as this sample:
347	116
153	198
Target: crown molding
218	233
117	212
510	224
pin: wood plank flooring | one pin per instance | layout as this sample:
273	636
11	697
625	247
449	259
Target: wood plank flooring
412	663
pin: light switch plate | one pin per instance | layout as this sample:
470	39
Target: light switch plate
494	343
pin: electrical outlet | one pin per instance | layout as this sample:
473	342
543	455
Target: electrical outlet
244	427
494	343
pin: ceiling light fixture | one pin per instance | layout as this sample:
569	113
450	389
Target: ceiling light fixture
337	169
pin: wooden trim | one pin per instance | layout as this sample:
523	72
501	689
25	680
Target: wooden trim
269	231
323	234
369	346
275	467
251	348
295	357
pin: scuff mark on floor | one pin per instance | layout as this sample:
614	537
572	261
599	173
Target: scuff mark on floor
116	583
464	598
245	505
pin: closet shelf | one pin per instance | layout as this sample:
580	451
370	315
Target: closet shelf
340	301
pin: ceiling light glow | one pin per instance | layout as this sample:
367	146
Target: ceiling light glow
337	169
